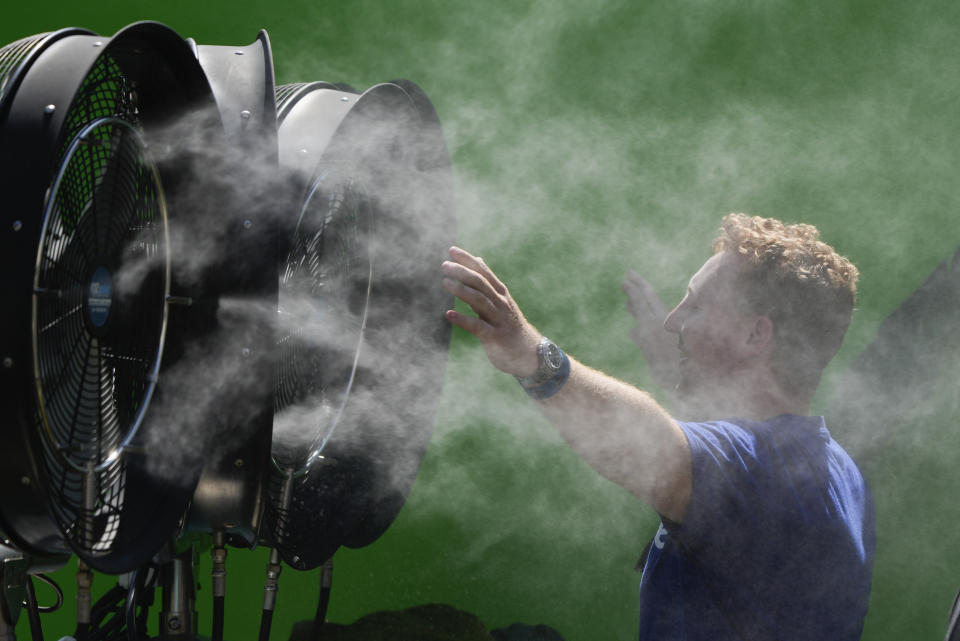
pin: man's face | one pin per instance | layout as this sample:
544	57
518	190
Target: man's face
713	335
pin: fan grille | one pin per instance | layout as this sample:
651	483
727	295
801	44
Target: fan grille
99	307
324	298
324	294
11	55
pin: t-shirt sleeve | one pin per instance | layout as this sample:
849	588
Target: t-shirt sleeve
731	489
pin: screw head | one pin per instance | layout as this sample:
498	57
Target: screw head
49	109
7	362
238	462
245	352
245	114
247	224
17	225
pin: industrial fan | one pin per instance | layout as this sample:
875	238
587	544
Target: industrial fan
362	340
186	279
86	139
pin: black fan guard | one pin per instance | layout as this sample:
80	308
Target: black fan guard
87	285
363	342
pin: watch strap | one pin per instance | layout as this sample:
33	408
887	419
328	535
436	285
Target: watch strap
545	389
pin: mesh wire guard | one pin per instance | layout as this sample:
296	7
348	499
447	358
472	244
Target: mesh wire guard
324	298
99	307
11	55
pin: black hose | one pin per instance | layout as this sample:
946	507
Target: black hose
326	581
130	607
33	612
109	631
104	607
218	615
266	619
321	616
270	587
46	609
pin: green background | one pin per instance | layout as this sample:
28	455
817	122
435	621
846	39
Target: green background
589	137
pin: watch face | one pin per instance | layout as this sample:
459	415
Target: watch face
551	354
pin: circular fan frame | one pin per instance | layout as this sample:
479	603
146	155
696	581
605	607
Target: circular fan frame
359	455
118	97
102	282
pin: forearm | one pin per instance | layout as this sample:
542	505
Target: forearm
624	435
619	430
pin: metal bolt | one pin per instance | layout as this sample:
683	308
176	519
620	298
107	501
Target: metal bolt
98	43
344	99
296	559
7	362
238	462
17	225
239	53
303	150
25	480
245	352
49	109
245	115
247	224
173	623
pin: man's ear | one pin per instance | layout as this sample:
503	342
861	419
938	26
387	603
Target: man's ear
761	333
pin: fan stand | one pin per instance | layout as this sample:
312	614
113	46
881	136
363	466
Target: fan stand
178	617
274	565
17	592
13	579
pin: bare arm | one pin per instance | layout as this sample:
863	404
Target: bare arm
619	430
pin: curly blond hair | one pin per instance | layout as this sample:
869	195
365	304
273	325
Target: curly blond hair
801	283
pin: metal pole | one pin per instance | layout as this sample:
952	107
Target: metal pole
178	620
274	566
84	599
218	581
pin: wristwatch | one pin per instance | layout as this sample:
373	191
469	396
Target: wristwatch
550	359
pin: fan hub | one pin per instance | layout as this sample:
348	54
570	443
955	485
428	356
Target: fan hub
99	300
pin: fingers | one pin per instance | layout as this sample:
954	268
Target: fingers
475	326
470	278
476	264
642	298
477	300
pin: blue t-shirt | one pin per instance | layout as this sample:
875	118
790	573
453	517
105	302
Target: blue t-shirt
777	543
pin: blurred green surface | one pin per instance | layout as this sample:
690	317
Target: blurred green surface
590	137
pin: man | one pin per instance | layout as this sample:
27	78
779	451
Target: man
767	525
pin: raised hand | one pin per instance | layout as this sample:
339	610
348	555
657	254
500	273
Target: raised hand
659	347
508	338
